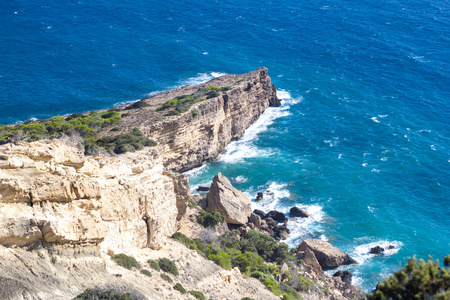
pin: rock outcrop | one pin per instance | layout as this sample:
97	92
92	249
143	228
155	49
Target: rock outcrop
298	212
227	200
202	133
329	257
50	193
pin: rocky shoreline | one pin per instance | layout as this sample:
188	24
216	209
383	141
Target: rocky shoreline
66	217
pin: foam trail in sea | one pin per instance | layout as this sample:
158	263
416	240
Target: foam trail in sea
243	148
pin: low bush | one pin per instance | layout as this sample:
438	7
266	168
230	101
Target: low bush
289	292
137	104
168	266
220	257
417	280
179	288
197	294
104	294
154	264
166	278
195	244
268	281
126	261
86	125
194	113
127	142
146	272
210	219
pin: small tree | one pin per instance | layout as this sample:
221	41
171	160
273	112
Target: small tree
423	280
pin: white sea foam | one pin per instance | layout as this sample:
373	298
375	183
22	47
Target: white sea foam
273	193
361	253
375	119
197	171
240	179
302	228
201	78
244	148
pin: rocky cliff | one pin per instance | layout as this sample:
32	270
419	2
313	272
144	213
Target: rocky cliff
63	214
202	132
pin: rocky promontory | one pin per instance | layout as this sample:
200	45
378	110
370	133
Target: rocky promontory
123	219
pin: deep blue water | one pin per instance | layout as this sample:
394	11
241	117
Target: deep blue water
362	138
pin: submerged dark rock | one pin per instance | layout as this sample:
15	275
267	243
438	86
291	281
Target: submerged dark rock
298	212
376	250
259	196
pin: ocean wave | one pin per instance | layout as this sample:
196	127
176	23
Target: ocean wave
243	148
201	78
240	179
361	253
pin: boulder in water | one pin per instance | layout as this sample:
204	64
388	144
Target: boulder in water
298	212
277	216
376	250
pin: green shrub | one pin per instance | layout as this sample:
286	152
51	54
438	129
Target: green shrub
166	278
417	280
127	142
138	104
116	129
179	288
267	247
154	264
197	295
168	266
210	219
247	260
146	272
104	294
126	261
195	244
268	281
85	125
220	257
290	292
194	113
246	298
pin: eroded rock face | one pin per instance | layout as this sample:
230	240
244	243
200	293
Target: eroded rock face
227	200
190	140
50	193
329	257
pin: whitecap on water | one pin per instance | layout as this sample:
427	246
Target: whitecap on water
375	119
240	179
243	148
201	78
361	253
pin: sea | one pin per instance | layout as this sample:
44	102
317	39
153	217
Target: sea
361	140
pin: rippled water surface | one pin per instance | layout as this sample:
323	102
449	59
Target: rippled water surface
361	140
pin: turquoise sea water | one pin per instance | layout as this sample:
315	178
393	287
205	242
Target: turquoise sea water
362	138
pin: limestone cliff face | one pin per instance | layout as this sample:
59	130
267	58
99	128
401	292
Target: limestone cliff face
51	194
189	139
63	213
